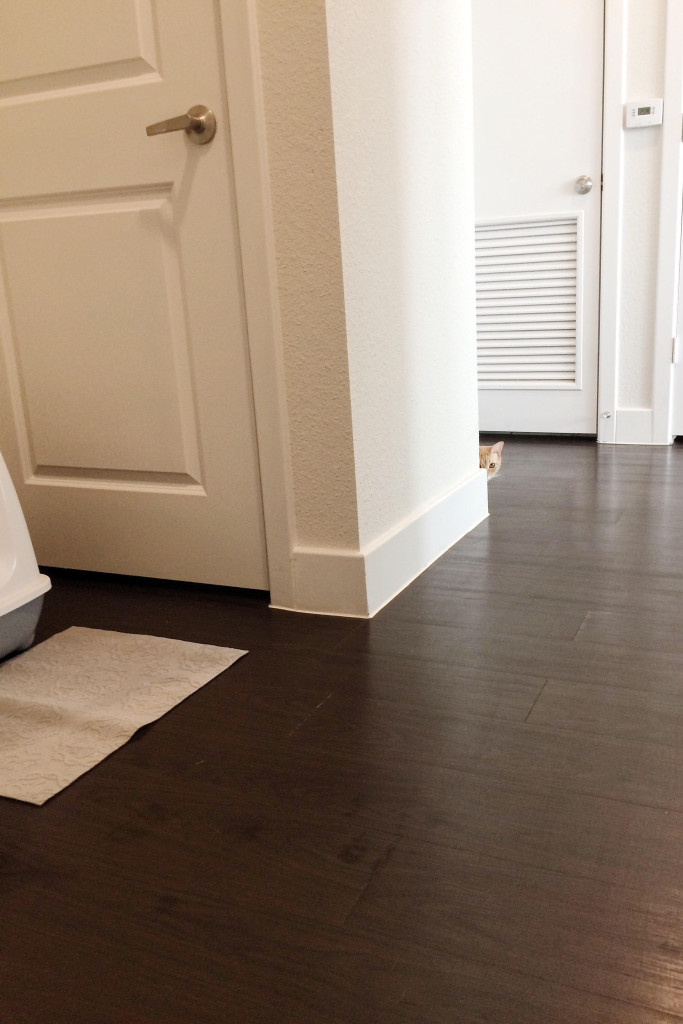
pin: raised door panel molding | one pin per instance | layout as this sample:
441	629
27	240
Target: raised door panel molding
97	344
41	52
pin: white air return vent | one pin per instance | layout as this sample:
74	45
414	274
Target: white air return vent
528	302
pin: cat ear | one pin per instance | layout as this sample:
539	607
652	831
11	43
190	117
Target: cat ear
497	447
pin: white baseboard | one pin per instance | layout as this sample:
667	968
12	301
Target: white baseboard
329	581
359	583
634	426
397	558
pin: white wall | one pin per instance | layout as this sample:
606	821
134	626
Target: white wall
373	227
401	99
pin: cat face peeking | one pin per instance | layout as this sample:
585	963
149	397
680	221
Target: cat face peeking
490	458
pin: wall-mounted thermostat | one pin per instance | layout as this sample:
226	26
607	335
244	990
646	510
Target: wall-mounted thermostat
642	113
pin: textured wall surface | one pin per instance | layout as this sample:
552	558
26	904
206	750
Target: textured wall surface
642	168
294	61
401	99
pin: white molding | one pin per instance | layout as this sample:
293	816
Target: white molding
239	30
677	398
612	199
328	581
333	581
397	558
671	185
633	426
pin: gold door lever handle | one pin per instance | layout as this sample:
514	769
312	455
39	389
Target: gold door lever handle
199	124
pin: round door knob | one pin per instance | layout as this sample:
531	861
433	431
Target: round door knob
583	184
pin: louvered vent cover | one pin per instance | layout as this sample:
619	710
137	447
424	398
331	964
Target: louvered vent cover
527	303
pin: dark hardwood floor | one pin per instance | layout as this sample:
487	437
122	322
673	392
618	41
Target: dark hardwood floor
468	810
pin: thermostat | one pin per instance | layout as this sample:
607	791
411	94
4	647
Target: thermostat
642	113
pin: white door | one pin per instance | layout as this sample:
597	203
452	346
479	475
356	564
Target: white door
538	129
126	411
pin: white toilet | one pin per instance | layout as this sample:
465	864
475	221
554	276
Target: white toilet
21	584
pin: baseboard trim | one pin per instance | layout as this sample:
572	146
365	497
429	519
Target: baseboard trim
634	426
402	554
352	583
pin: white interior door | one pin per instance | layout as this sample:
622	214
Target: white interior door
126	412
538	128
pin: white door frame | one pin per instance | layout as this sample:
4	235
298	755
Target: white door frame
671	188
610	253
257	240
668	257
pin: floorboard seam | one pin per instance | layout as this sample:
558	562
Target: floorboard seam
380	863
310	715
581	625
545	683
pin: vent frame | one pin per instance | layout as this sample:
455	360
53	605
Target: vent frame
562	309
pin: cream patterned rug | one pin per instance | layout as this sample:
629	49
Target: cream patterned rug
69	702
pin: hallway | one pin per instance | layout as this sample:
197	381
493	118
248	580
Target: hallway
468	810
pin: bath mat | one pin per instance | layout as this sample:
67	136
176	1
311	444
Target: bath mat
69	702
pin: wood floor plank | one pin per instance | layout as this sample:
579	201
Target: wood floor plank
643	714
491	614
596	937
533	656
601	838
640	628
497	694
515	578
527	755
250	862
479	993
183	963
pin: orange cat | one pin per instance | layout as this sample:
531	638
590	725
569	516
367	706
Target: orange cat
490	458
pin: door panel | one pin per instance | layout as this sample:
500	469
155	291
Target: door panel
136	351
41	39
47	45
538	128
126	413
